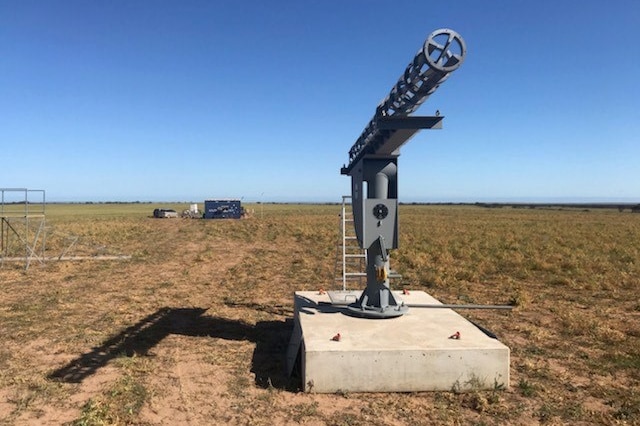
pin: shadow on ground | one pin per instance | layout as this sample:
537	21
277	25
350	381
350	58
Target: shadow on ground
271	339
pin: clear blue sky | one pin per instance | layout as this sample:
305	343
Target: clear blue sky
186	100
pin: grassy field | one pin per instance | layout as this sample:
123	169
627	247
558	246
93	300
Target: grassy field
192	328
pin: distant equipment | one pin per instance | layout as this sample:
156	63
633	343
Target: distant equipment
165	213
223	209
373	165
192	212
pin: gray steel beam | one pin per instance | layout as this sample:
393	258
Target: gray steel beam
373	165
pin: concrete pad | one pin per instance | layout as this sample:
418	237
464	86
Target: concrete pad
410	353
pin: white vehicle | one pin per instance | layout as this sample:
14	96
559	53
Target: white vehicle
165	213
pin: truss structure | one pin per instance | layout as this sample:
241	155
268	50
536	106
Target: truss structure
22	225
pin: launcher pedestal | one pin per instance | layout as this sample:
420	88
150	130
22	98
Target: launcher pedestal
374	189
373	165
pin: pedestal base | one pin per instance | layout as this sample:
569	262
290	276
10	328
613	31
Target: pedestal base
413	352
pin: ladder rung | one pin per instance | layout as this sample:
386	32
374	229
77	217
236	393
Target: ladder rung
354	258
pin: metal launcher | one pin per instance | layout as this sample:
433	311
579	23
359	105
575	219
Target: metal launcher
373	165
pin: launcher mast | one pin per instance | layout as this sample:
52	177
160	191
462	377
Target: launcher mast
373	161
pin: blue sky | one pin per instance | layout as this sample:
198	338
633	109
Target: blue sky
187	100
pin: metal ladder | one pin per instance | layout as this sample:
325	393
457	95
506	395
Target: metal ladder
351	259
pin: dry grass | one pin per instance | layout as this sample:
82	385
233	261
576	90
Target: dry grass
192	329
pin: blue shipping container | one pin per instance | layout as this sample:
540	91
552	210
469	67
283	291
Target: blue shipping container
222	209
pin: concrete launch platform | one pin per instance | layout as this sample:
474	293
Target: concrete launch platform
414	352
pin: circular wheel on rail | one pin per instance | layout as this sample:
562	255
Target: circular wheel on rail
445	50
